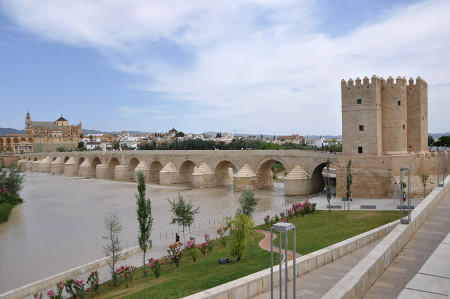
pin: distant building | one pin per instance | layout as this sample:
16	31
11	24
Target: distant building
41	132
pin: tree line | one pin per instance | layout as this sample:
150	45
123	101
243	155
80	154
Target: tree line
235	144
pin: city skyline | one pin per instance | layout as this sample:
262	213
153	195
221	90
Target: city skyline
270	67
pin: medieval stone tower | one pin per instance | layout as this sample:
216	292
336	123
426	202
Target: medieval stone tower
383	117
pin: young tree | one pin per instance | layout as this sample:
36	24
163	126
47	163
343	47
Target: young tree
183	213
248	201
112	248
327	185
241	228
144	217
349	183
425	180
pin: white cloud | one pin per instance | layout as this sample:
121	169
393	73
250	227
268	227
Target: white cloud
243	60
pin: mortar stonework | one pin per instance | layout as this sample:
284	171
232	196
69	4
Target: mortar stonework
384	128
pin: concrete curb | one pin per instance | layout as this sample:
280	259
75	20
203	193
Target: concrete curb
50	281
359	280
259	282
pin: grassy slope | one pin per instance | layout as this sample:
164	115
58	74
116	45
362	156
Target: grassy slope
314	231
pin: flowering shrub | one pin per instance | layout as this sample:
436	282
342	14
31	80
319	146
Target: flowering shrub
202	247
78	286
38	296
299	208
174	253
59	290
209	242
126	272
68	285
156	266
221	232
193	250
93	282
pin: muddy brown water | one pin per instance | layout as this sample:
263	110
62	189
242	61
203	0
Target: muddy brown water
60	224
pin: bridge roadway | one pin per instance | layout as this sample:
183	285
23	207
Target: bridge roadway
201	168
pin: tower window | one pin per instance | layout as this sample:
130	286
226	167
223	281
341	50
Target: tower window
398	103
358	101
404	127
360	151
361	127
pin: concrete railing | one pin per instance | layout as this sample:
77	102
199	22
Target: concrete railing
359	280
258	283
45	283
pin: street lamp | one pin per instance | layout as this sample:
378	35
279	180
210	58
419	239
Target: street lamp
40	139
308	176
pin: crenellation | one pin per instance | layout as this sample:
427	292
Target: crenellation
366	80
358	81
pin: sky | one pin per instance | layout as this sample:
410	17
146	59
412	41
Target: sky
254	66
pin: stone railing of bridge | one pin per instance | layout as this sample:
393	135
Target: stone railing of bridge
201	169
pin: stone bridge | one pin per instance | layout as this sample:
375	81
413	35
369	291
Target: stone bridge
201	169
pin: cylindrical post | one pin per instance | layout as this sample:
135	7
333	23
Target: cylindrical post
285	265
271	263
280	263
294	277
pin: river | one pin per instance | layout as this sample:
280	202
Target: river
60	224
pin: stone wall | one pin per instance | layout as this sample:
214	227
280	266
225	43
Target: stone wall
6	160
379	177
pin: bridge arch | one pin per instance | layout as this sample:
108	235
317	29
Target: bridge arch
224	171
264	171
95	161
66	158
155	167
80	160
317	180
186	171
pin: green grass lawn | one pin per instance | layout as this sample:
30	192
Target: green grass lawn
322	228
313	232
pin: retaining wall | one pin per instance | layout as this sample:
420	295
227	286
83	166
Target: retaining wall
258	283
358	281
51	281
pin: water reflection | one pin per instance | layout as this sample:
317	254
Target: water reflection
60	224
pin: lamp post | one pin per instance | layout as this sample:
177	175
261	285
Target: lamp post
40	139
441	184
282	228
308	176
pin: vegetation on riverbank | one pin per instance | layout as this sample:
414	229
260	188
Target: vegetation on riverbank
11	180
235	144
314	231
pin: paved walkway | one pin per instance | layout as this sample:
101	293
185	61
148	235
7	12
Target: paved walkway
317	283
433	279
265	244
415	255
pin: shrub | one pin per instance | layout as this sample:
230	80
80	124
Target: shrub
156	266
209	241
174	252
193	250
59	291
241	233
221	232
5	209
126	273
93	282
202	247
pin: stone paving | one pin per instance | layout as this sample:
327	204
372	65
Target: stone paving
433	279
415	255
318	282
